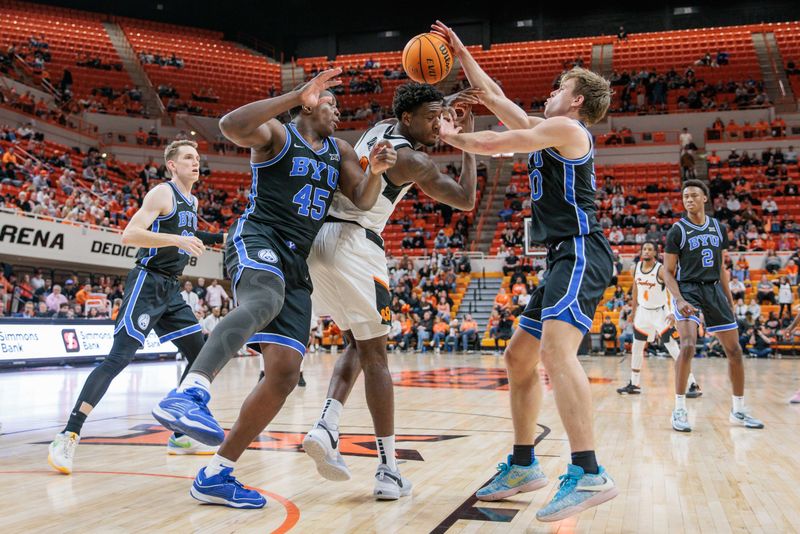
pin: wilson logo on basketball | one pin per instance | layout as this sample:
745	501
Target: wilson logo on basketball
152	435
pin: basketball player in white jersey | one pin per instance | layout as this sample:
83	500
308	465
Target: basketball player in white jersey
652	318
351	279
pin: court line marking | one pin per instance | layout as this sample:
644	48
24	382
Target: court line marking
292	511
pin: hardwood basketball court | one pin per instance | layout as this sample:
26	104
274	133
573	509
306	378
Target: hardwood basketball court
453	427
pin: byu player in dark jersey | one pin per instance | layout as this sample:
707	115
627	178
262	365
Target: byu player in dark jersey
579	263
165	228
296	169
695	274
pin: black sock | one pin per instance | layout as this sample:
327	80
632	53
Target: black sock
523	455
586	461
75	423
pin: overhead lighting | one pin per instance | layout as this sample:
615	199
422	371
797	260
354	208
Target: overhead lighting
390	33
684	10
526	23
193	132
104	155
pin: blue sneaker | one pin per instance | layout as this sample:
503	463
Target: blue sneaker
187	412
577	492
512	479
224	489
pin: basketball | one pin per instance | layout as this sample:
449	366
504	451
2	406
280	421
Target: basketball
427	58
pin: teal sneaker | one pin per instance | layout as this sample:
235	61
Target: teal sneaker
578	491
512	479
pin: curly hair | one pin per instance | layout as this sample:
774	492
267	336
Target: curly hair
408	97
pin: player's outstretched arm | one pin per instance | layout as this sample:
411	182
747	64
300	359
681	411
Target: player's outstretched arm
419	167
362	186
254	125
157	202
513	116
552	132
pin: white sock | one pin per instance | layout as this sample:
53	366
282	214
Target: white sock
635	377
331	413
217	464
680	402
195	380
386	451
738	403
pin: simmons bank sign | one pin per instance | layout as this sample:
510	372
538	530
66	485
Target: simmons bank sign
39	239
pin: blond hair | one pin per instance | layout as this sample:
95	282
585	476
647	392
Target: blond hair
596	92
171	152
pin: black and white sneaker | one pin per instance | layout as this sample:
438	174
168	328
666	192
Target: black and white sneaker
390	485
630	389
693	392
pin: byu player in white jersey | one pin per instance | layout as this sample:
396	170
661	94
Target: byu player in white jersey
351	281
652	318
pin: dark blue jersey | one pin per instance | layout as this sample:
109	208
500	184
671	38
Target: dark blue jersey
562	195
293	191
182	220
699	249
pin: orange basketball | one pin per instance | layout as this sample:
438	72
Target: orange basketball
427	58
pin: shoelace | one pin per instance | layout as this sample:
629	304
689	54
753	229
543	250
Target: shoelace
230	479
503	468
567	484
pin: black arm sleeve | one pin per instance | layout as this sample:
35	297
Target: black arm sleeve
208	238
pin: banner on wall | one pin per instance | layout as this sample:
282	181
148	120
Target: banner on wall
37	340
35	238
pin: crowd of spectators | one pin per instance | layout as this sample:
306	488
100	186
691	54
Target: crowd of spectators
163	60
732	131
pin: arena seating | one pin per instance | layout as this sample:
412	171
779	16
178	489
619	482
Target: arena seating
235	74
68	33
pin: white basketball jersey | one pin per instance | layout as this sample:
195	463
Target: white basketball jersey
650	292
374	219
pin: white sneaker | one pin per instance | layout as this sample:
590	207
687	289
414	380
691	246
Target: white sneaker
62	450
680	420
390	485
744	419
322	445
187	445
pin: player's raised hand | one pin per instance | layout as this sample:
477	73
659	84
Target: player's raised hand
310	92
382	157
447	33
686	309
471	96
190	244
447	125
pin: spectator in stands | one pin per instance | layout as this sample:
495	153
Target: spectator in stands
764	291
424	329
440	331
687	165
468	330
616	236
785	295
511	262
396	330
503	330
441	241
608	332
215	295
738	288
622	35
686	140
790	156
772	263
55	299
761	342
28	312
502	300
210	322
740	309
190	297
769	206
